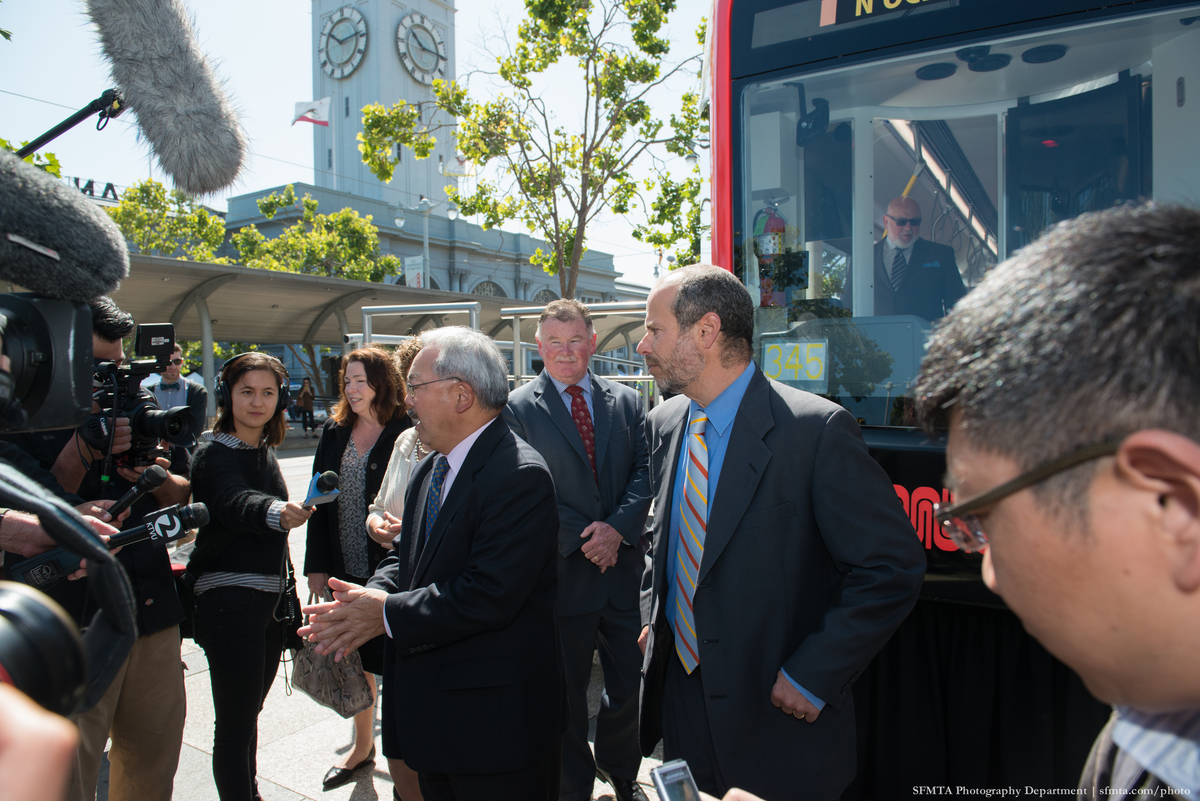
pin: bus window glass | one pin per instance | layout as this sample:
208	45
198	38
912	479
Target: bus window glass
875	196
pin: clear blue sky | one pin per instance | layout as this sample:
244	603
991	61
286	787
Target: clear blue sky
52	67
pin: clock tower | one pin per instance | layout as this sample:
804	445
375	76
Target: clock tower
379	51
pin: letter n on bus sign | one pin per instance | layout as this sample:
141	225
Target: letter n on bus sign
838	12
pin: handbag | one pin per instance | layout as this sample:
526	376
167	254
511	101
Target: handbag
341	686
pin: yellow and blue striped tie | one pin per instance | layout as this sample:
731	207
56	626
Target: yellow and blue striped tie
693	524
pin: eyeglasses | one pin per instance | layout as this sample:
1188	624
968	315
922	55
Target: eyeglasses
903	222
412	388
965	528
176	361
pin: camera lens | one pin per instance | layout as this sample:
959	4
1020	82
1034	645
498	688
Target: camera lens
41	653
175	425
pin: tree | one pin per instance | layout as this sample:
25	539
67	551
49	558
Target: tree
43	161
338	245
557	180
162	223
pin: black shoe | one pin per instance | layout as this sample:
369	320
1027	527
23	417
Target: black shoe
336	777
623	789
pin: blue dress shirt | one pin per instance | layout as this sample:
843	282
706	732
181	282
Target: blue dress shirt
584	383
721	413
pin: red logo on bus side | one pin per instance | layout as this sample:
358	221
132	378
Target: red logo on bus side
918	505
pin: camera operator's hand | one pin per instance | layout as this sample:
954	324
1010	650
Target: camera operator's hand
36	749
176	489
294	515
95	435
77	456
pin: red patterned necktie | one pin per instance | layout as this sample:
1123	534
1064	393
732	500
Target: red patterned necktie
583	422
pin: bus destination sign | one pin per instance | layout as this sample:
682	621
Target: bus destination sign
839	12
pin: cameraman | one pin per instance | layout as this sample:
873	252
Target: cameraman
145	721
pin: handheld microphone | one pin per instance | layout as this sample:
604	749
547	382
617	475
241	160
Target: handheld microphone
167	81
165	525
322	489
53	240
150	480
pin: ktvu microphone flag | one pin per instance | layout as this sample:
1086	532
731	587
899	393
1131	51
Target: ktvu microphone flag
314	111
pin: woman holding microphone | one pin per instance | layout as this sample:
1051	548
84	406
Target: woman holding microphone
241	559
356	443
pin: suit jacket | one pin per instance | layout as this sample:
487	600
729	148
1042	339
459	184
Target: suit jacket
323	547
474	673
619	494
809	564
931	286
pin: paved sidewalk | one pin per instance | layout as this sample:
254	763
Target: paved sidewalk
298	740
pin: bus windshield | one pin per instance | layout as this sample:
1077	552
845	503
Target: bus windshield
874	197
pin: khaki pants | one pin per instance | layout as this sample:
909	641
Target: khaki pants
143	712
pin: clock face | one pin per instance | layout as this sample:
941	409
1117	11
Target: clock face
342	43
422	48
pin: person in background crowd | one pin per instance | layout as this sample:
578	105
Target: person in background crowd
304	402
1069	383
175	390
384	517
241	560
356	443
782	595
591	432
474	667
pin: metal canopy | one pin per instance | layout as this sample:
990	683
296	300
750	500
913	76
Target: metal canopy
267	306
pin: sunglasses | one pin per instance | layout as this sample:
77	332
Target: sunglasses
904	222
966	529
176	361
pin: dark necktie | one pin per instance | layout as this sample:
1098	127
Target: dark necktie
898	265
583	422
170	386
433	503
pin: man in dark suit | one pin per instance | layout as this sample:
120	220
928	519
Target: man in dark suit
473	692
913	275
759	615
591	431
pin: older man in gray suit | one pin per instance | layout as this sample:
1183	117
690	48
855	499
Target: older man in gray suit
590	431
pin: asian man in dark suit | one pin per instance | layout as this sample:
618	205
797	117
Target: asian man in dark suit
591	431
760	615
913	275
473	692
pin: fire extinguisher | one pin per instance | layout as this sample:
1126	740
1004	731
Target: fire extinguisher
769	226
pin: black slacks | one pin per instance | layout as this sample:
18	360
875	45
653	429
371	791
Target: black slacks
686	731
243	642
537	782
614	633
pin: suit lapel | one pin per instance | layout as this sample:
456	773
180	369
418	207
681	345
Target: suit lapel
547	399
477	457
604	407
746	459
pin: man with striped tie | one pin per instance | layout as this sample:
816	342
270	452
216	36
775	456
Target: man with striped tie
782	558
913	275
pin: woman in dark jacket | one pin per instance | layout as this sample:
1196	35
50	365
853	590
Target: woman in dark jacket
356	443
241	559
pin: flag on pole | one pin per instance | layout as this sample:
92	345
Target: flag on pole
413	272
314	111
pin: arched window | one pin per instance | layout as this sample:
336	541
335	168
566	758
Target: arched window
544	297
490	289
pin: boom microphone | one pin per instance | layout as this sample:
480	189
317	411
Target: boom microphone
150	480
53	240
169	84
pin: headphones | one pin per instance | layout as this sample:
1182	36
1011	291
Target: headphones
225	392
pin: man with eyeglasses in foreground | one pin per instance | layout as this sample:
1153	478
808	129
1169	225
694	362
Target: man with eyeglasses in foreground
1069	383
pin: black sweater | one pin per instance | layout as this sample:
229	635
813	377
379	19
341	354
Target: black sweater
238	486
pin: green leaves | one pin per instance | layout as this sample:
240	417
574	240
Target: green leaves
554	178
165	223
338	245
43	161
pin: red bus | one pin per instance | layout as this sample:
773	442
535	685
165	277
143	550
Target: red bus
993	119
